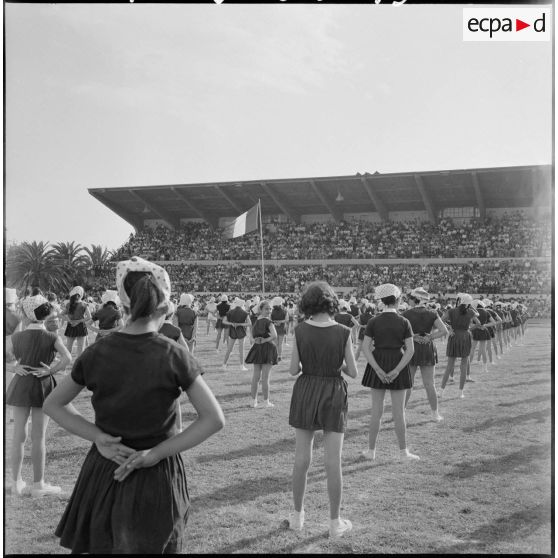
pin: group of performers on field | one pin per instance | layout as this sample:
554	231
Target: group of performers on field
144	357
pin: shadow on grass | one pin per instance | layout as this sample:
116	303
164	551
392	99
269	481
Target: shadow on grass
507	528
502	464
244	544
250	489
538	399
528	383
539	416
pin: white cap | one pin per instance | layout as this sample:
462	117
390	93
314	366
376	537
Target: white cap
464	298
476	303
186	300
110	296
276	301
420	293
224	298
387	289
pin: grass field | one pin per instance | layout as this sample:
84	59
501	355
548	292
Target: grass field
483	484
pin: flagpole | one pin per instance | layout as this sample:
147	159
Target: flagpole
261	246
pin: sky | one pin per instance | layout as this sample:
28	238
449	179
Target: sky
101	95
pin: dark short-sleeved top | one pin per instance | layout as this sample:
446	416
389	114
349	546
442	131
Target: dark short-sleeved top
262	327
421	319
460	321
321	350
344	319
483	316
107	316
365	318
186	316
11	321
389	330
135	380
79	311
33	346
171	331
237	316
223	308
278	314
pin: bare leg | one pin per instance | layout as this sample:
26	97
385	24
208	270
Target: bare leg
375	416
333	444
359	348
413	370
21	415
266	373
80	343
70	343
303	459
39	423
448	371
279	345
398	411
427	373
218	338
255	381
241	352
230	345
463	375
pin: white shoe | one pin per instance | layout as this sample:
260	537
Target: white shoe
408	456
17	487
437	416
45	490
254	403
268	403
224	368
461	395
296	520
243	368
368	454
339	528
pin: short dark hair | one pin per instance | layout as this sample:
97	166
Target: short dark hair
318	297
389	300
43	311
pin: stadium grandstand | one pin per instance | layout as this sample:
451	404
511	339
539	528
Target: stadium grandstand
484	230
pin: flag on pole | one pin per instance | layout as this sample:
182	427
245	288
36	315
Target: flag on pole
245	223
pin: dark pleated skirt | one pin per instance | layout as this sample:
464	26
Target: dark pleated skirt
237	332
29	391
481	334
144	514
387	359
459	344
187	331
361	333
319	403
424	355
75	331
266	353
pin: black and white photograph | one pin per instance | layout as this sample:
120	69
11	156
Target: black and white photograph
230	228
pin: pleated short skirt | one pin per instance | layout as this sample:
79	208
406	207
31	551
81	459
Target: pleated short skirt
146	513
29	391
237	332
75	331
459	344
266	353
319	403
481	334
361	333
387	359
425	354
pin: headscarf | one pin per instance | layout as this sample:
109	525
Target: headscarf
186	300
420	293
30	303
160	276
110	296
387	289
77	290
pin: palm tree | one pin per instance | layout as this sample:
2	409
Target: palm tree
70	257
33	264
98	256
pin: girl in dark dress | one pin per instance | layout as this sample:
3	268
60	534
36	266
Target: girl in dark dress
322	351
481	333
222	308
108	316
344	317
238	322
187	319
77	314
426	326
279	319
388	347
34	350
131	495
367	313
263	354
459	320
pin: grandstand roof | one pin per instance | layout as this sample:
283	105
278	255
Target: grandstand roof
485	188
